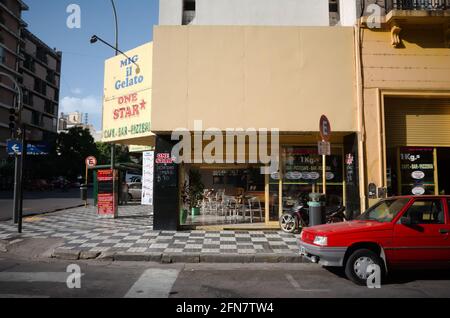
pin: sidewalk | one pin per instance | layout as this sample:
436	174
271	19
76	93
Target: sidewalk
131	238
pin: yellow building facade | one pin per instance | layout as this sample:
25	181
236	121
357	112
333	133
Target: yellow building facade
405	90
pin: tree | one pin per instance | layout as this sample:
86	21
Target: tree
72	148
104	153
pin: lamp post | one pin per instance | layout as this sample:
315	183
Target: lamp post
18	165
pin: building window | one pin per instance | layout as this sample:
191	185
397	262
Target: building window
41	54
49	109
2	55
2	18
188	11
51	77
40	86
36	118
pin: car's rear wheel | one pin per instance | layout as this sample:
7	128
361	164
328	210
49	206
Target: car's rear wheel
356	267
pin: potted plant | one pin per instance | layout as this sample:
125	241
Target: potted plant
185	198
196	188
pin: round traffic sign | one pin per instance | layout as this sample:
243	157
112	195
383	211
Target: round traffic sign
91	161
325	128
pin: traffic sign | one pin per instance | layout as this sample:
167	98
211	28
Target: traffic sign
325	128
91	161
324	148
14	147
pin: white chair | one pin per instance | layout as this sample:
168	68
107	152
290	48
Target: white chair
253	205
229	207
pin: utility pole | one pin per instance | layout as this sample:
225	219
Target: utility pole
18	165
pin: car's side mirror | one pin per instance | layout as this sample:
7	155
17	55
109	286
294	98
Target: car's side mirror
406	221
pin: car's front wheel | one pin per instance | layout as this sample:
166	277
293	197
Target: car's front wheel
357	267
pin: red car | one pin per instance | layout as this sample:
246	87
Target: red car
399	232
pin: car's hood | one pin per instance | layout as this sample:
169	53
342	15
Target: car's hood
345	227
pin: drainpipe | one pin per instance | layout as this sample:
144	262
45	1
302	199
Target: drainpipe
360	111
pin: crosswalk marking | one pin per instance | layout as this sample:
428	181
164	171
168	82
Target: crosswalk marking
21	296
153	283
42	277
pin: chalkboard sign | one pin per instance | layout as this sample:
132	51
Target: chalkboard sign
165	170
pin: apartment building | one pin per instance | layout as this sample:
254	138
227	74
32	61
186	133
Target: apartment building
404	87
259	12
41	75
11	25
36	67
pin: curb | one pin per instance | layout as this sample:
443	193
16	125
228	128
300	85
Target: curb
171	258
54	210
3	247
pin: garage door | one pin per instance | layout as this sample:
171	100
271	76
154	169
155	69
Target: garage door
417	122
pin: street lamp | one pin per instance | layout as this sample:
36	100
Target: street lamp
96	38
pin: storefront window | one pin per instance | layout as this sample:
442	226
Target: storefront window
417	171
228	195
302	174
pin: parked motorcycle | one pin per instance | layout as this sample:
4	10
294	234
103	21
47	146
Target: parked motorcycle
298	216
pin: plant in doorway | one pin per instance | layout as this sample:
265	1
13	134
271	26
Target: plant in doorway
185	198
196	188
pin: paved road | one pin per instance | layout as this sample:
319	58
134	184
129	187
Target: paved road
39	202
25	278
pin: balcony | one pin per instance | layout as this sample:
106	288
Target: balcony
423	5
425	14
417	11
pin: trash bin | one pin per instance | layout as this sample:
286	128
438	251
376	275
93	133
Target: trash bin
83	192
316	209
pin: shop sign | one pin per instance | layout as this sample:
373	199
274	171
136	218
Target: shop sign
148	158
165	170
127	95
304	165
417	170
324	148
107	197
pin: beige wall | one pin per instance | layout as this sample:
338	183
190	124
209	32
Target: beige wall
253	77
419	68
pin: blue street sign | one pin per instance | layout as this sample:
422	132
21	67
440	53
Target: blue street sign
15	147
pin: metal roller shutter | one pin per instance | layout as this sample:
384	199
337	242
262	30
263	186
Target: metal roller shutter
417	122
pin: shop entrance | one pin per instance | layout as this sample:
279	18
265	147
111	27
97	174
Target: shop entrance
443	166
417	145
223	195
301	174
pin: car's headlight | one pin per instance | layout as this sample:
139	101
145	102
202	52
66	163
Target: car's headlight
321	240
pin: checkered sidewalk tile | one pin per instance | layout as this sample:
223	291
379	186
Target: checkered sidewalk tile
133	232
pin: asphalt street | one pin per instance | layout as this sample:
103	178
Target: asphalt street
40	202
49	278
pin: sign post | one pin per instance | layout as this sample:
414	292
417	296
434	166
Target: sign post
324	148
91	162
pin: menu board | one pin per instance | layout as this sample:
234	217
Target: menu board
304	165
165	170
107	197
148	159
417	170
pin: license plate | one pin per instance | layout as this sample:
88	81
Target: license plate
302	250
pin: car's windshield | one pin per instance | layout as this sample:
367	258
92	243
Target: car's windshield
384	211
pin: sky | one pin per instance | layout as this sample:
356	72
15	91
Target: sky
82	62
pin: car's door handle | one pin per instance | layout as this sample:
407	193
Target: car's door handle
444	231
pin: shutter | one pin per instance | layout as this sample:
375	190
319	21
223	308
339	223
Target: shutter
417	122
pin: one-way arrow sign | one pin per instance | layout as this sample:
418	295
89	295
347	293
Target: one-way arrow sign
14	147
